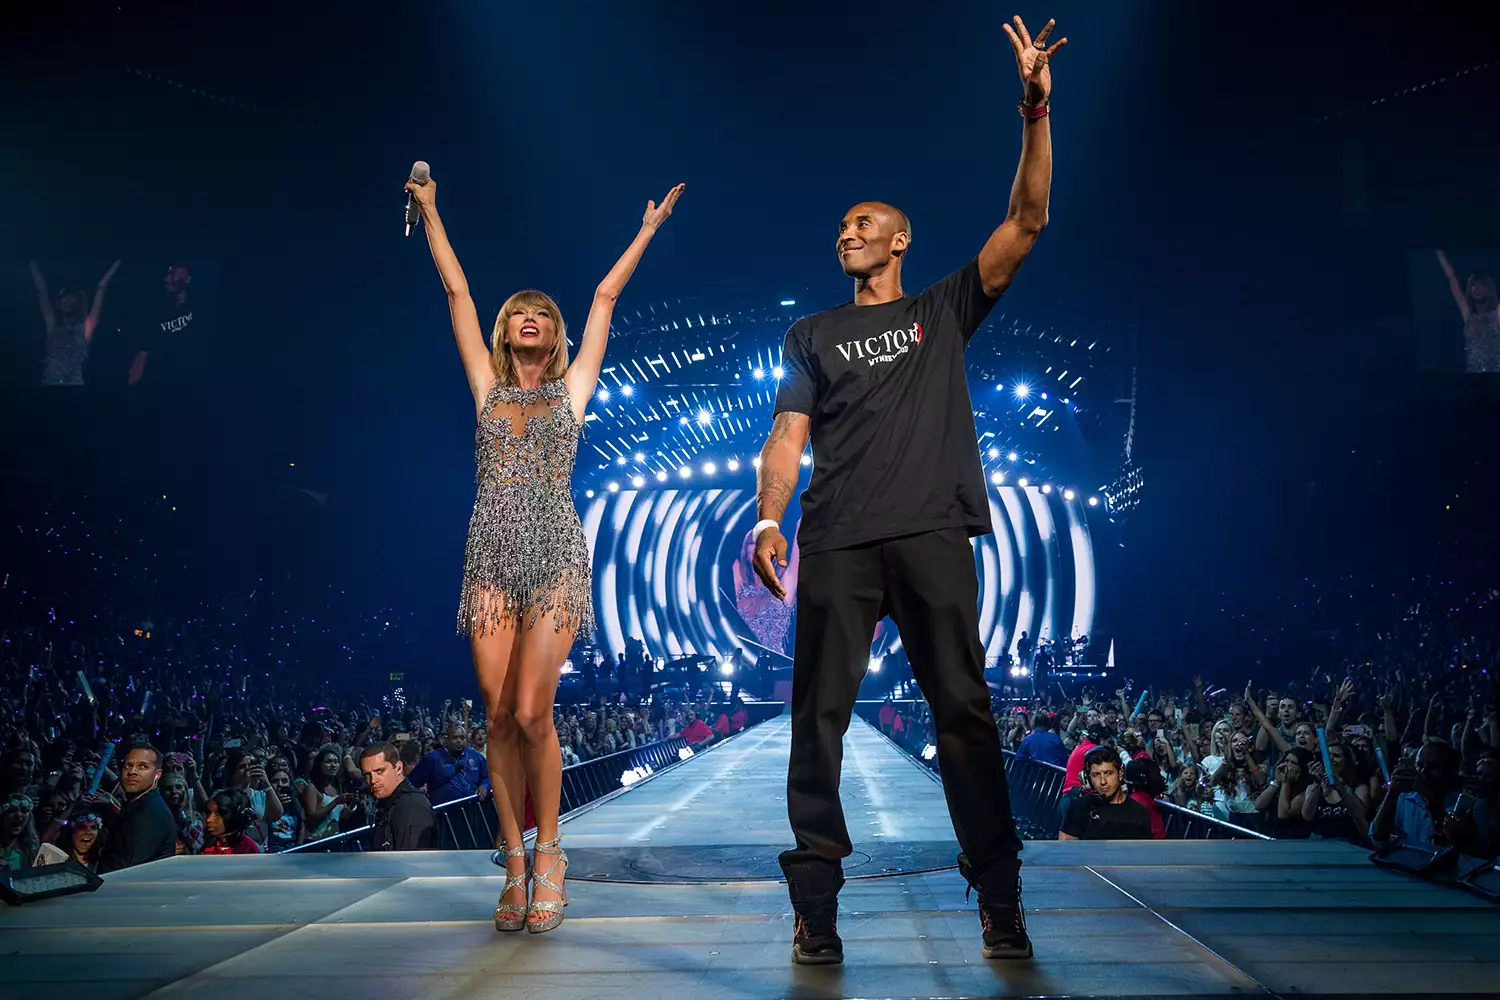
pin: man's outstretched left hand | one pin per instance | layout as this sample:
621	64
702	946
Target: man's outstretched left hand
1033	59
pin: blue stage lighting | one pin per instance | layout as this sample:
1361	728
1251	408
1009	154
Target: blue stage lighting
759	372
640	456
1011	456
704	417
685	472
603	394
778	372
734	465
620	460
807	460
788	302
661	477
1044	395
994	453
1046	487
997	478
1023	481
1022	390
1093	501
637	481
1069	494
627	391
709	468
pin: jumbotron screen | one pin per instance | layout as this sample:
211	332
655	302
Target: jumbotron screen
672	567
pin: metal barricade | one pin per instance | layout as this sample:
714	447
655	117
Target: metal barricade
467	824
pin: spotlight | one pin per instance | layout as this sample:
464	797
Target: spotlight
994	453
685	472
709	468
997	478
1046	487
682	420
1044	395
637	481
627	391
697	355
620	460
788	302
614	487
1069	494
640	456
759	372
999	386
778	372
704	417
1022	390
726	667
755	461
807	460
929	752
1011	456
588	493
1023	481
603	394
1093	501
661	476
734	465
875	664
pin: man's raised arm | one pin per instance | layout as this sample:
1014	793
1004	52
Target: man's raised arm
1027	215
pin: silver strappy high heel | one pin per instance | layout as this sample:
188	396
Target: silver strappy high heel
552	908
512	916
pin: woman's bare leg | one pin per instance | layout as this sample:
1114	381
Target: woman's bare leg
496	654
542	651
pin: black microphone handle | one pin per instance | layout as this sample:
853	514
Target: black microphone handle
413	214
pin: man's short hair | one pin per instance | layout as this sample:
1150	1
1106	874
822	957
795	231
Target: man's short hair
155	753
411	754
1101	755
1041	721
382	749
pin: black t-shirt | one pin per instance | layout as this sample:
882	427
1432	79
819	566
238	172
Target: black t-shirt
1092	818
893	440
173	340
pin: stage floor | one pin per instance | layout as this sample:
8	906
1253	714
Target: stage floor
649	920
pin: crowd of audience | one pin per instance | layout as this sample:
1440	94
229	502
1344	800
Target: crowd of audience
1401	744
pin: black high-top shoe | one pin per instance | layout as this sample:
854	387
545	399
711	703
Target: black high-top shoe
815	941
1002	918
814	887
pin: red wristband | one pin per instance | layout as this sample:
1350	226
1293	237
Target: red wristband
1034	111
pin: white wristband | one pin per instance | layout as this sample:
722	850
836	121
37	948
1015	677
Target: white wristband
762	526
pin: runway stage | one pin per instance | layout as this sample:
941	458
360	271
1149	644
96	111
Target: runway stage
672	897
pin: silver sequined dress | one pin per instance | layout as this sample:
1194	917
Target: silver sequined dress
527	555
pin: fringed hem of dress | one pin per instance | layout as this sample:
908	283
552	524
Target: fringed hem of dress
486	605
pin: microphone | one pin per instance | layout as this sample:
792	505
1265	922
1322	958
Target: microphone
421	173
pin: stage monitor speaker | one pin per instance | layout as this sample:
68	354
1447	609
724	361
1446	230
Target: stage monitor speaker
30	884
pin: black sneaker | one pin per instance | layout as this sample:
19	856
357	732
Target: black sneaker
815	940
1001	913
1004	926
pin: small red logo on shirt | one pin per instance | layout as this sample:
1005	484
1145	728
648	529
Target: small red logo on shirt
918	328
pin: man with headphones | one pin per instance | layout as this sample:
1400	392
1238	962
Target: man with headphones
145	830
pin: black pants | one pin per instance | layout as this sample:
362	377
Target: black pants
927	584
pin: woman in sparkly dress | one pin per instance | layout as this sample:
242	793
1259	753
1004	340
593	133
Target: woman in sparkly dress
1479	305
526	590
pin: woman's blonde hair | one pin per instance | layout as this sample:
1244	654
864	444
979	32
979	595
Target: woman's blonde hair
500	357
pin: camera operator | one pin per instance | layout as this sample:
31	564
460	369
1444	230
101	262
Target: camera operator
1108	812
145	830
403	816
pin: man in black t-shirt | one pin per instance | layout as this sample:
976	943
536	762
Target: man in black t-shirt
172	339
878	386
1108	813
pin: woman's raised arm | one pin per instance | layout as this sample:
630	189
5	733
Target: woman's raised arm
471	345
583	373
